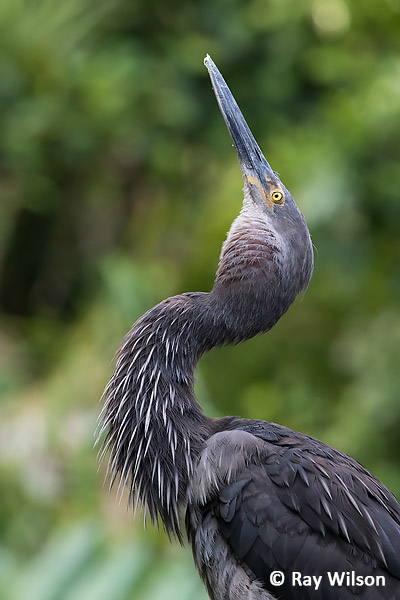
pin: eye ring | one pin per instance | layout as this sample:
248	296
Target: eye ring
277	197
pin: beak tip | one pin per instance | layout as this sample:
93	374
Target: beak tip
208	62
249	153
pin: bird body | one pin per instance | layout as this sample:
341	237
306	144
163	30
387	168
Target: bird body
265	498
259	497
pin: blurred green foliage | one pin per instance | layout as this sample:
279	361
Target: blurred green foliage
117	184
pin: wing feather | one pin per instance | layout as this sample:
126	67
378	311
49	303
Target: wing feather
299	505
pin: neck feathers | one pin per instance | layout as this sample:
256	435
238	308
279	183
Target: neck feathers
260	273
155	427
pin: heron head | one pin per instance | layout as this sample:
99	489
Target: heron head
269	243
263	186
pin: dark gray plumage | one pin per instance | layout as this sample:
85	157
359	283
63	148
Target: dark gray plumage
259	496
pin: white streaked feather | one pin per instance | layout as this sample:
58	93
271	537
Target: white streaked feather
139	404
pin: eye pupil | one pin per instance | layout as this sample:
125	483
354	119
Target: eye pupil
277	196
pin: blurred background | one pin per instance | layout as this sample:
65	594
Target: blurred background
118	183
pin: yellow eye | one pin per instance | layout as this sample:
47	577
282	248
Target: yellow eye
277	197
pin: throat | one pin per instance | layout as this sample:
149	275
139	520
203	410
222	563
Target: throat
261	270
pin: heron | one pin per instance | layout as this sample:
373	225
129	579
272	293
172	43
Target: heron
270	513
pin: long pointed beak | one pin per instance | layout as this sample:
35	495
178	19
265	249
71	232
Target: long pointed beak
255	168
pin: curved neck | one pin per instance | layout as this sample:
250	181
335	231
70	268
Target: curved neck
156	427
